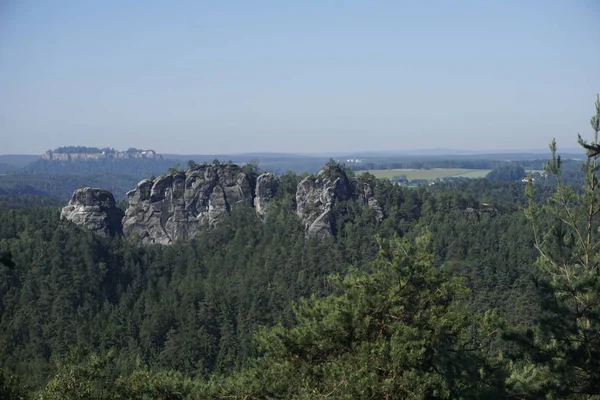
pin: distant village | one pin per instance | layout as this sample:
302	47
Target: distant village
71	153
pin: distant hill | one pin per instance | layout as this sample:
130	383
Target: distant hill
18	160
64	169
59	172
84	160
61	186
134	167
8	168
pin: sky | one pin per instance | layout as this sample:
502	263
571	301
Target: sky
224	77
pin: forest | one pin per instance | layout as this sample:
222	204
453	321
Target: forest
463	290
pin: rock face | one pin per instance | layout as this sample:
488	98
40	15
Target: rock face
94	209
99	154
315	199
370	201
266	188
177	206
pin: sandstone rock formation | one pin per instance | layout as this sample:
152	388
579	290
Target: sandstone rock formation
370	201
266	188
178	206
74	153
94	209
315	198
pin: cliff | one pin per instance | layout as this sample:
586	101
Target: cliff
91	153
315	198
179	205
94	209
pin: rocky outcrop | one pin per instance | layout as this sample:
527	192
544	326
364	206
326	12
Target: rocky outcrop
94	209
266	188
370	201
92	153
373	204
315	198
177	206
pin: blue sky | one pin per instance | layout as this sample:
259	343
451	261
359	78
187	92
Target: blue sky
296	76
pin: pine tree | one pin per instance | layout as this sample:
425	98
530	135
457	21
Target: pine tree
400	332
562	356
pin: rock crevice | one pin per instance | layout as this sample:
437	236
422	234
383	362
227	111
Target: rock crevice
179	205
316	196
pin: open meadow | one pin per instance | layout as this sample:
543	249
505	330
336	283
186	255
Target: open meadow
429	174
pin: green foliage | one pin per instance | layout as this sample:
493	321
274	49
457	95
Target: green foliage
253	309
144	384
28	201
401	331
251	168
49	178
89	378
182	317
8	168
11	387
563	351
507	173
6	259
175	169
83	380
62	186
136	167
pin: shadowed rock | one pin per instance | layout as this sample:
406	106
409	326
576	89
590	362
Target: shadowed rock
370	201
266	188
178	206
94	209
315	198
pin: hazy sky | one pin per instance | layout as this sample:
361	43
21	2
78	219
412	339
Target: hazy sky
296	76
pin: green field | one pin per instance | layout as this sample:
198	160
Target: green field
429	174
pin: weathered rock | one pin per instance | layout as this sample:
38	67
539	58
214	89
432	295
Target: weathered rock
178	206
315	198
373	204
94	209
370	201
266	188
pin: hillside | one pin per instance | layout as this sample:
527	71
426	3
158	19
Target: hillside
206	268
193	305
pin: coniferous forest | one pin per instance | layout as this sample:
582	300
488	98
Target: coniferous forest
463	290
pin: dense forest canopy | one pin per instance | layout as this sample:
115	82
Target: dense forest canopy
469	289
193	307
507	173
